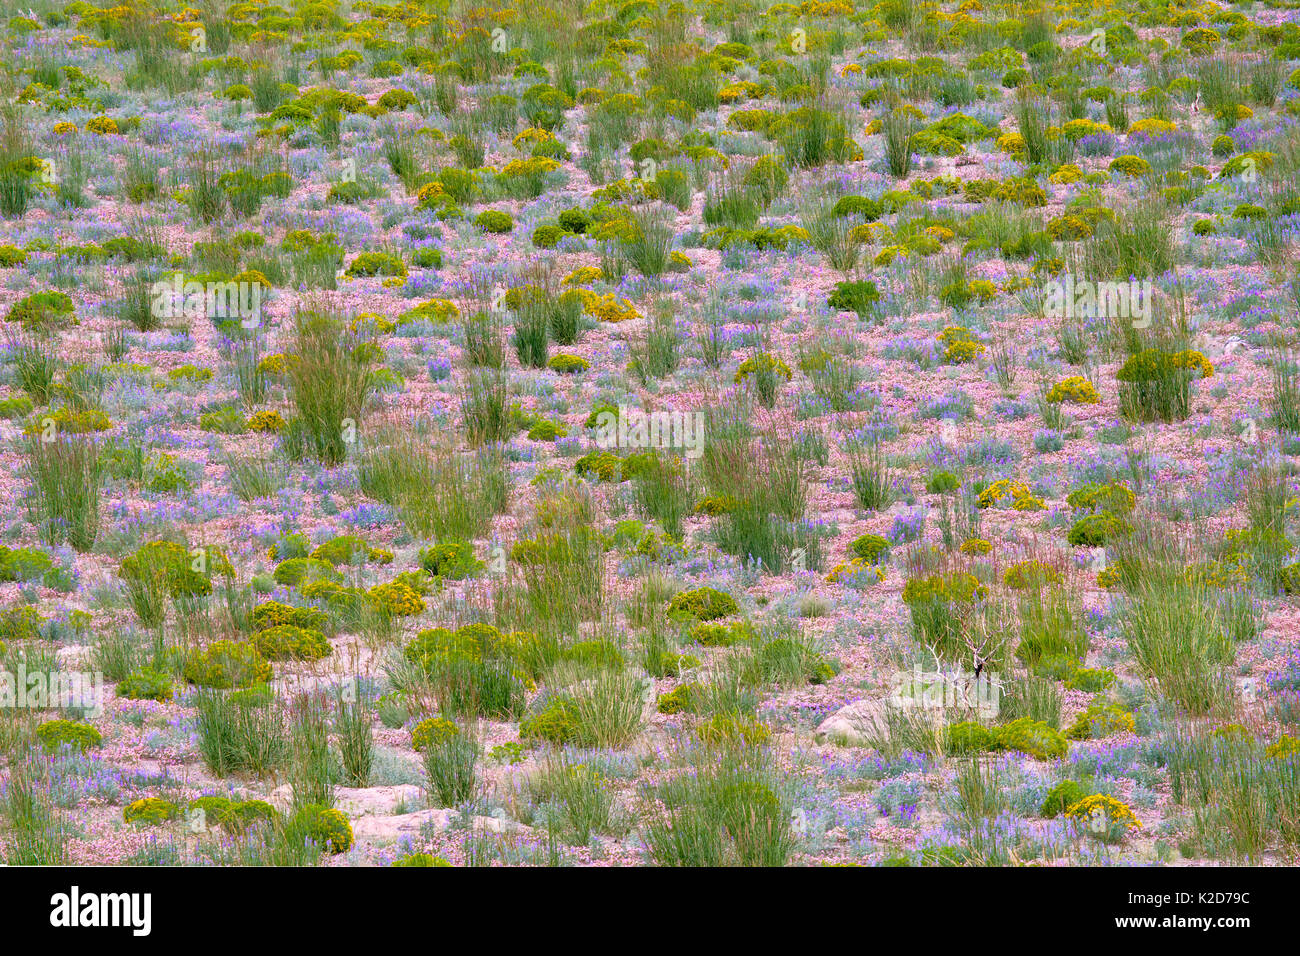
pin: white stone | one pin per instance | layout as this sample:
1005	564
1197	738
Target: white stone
376	801
858	724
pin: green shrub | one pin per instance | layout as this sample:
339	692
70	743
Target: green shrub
1155	384
1093	680
494	220
273	613
1130	165
567	364
575	221
146	684
232	815
868	209
225	421
858	296
323	826
296	572
23	564
703	604
476	670
1094	531
969	737
42	310
1061	797
1101	720
453	560
1030	574
1033	738
787	661
870	547
557	722
150	811
20	624
284	642
1289	579
226	664
180	572
344	549
547	236
1112	498
720	635
680	700
427	257
942	482
420	859
767	179
434	730
377	264
16	406
54	734
937	604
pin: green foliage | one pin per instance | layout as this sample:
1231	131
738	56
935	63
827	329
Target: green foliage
80	736
1061	797
146	684
703	604
324	826
869	547
42	310
453	560
859	296
1025	735
345	549
475	670
285	642
449	764
557	722
226	664
150	811
273	614
295	572
494	221
1100	720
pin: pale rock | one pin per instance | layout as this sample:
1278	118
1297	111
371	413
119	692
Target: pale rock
73	654
376	801
281	798
385	829
858	724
